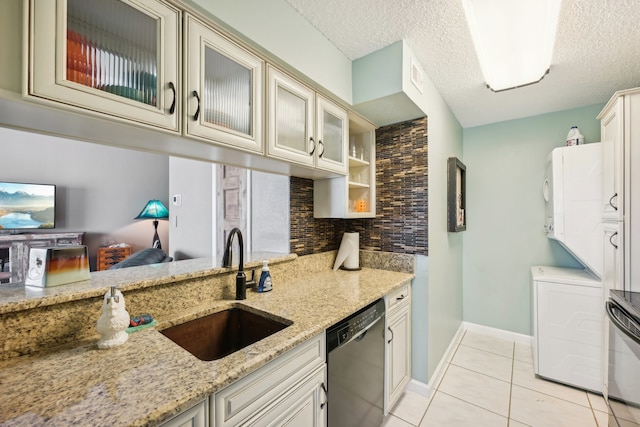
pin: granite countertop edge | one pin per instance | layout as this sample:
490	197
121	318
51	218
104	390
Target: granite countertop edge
17	297
80	383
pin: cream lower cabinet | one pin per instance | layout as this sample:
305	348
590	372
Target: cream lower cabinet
398	345
194	417
287	391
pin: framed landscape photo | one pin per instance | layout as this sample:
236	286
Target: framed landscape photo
456	195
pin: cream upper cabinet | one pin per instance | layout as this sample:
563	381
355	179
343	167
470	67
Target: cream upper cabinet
354	195
303	126
611	133
223	89
332	133
117	57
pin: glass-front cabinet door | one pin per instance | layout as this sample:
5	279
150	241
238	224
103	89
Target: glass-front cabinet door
223	90
290	119
332	132
119	57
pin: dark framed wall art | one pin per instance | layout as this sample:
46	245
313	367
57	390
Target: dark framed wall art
456	195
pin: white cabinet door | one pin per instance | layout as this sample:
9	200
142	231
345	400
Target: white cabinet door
398	349
304	127
304	406
612	135
194	417
290	119
223	89
613	244
116	57
332	129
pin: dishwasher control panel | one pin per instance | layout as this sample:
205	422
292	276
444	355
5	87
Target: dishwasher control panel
345	330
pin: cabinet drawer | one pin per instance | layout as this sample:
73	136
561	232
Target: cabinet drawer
110	256
249	395
397	297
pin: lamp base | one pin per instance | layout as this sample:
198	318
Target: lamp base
156	239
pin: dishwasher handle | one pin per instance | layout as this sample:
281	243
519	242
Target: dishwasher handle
362	333
627	324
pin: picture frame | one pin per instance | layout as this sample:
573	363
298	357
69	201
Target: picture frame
456	195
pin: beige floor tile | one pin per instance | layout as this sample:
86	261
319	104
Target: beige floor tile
449	411
478	389
523	376
483	362
597	402
410	407
602	418
514	423
523	352
393	421
541	410
488	343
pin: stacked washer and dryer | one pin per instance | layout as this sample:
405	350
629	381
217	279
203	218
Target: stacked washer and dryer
567	302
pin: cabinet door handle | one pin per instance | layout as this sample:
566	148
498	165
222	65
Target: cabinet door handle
400	298
313	145
611	240
172	109
322	146
326	396
197	114
611	201
390	330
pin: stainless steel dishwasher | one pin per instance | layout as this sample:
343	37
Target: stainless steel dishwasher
355	363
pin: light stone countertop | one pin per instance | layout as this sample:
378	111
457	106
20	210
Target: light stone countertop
149	379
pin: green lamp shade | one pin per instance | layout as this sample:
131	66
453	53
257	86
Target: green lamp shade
154	210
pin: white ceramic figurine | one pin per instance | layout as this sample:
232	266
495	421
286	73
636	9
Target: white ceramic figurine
114	320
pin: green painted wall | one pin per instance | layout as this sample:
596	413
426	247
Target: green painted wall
505	213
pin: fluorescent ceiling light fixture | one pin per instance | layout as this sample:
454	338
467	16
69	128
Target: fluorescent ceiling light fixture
513	39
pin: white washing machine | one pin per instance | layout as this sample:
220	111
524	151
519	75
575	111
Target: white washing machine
567	326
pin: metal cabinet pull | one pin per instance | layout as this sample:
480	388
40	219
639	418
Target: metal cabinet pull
326	396
172	109
390	330
611	240
321	145
611	201
400	298
197	114
313	144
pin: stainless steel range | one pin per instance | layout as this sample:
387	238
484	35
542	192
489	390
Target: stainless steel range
623	311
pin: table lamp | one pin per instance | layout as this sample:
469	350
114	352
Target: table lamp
154	210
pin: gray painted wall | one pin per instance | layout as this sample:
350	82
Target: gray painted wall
505	212
191	225
100	189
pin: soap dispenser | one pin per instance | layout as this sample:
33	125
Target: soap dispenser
114	320
265	284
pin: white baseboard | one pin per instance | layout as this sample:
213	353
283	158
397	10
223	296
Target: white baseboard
444	361
419	387
498	333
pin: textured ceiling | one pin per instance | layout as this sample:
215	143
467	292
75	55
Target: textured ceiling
597	51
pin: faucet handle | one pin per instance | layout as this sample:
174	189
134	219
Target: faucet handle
251	283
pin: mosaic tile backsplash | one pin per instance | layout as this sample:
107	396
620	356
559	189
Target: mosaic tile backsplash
401	200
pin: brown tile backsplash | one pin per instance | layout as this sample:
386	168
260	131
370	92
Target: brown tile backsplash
401	200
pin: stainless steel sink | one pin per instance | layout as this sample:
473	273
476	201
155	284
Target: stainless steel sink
219	334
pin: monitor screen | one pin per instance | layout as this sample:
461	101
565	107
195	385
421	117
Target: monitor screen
27	206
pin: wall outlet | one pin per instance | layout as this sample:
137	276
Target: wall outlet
176	199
